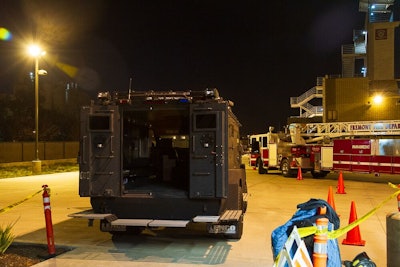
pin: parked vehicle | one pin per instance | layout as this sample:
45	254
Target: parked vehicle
162	159
319	148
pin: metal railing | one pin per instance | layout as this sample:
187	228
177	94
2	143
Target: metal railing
312	111
316	91
361	128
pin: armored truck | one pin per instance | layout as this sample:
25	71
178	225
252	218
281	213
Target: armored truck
162	159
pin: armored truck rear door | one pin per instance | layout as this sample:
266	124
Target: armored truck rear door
207	153
99	162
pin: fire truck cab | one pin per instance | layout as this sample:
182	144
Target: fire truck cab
274	151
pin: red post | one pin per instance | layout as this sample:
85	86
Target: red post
49	225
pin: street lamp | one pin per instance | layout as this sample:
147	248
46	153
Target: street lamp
377	99
36	52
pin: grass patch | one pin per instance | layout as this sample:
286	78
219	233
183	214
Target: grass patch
6	237
19	169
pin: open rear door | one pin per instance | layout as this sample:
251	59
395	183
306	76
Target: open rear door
207	156
99	162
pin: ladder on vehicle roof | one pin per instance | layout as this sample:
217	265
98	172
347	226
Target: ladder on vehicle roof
354	128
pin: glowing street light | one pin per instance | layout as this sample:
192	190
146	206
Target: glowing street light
36	52
378	99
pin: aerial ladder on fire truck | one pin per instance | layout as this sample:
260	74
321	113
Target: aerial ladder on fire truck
358	146
314	132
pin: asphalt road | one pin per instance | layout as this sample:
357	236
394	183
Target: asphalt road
272	201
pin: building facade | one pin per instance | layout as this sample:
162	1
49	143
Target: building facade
368	88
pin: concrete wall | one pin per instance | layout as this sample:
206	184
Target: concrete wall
25	151
381	50
351	99
345	99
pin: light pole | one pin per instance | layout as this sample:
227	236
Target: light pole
36	52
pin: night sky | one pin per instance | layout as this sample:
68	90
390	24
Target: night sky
257	53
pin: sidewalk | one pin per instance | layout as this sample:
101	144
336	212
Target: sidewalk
272	201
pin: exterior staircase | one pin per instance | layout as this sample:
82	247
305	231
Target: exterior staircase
307	110
351	54
354	57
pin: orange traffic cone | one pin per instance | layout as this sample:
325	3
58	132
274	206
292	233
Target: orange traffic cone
340	186
353	236
330	199
299	174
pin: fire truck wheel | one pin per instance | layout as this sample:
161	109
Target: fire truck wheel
285	168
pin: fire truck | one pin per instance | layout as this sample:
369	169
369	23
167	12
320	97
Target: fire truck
287	153
364	146
162	159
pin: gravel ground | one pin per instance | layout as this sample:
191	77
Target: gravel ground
25	255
